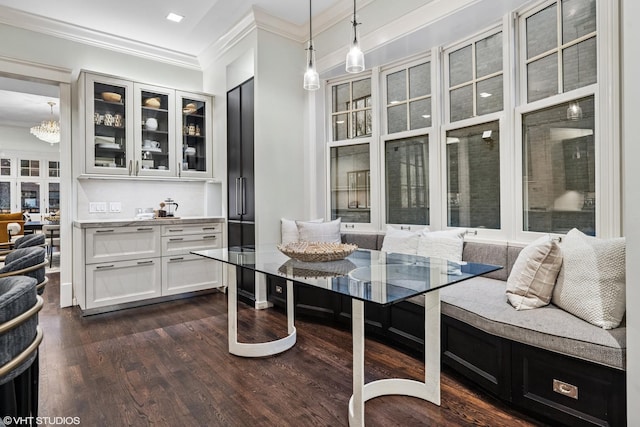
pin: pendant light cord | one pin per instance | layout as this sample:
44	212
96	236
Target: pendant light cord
355	23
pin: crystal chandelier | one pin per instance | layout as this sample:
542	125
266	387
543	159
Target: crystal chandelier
48	130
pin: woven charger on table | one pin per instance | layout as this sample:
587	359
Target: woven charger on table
317	251
317	269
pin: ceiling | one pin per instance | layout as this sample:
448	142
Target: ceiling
142	22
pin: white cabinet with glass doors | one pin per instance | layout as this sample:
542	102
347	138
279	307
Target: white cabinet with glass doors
134	129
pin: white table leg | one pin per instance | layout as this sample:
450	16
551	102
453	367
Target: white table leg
428	390
256	349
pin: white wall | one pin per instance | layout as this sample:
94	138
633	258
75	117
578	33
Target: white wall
19	139
631	153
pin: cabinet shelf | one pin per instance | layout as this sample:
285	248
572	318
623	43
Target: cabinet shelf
99	101
155	110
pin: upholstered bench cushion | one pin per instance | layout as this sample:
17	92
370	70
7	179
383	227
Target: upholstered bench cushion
17	295
481	303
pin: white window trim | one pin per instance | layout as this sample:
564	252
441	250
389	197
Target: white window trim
471	41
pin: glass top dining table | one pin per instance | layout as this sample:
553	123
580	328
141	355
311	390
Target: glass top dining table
368	275
365	276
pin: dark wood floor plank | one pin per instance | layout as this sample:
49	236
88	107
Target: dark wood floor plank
168	364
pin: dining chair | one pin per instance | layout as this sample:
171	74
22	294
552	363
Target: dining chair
20	338
52	236
30	262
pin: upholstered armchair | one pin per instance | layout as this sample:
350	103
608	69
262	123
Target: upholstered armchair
30	261
20	337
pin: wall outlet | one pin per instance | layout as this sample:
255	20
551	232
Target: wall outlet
115	207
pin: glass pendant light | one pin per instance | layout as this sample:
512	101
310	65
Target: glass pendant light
311	78
355	57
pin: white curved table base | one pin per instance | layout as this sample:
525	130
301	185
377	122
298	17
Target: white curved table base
262	349
429	390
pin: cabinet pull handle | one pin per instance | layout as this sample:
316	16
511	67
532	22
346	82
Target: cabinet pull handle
209	237
145	262
238	201
175	230
176	259
179	169
104	266
209	228
349	226
405	227
145	229
243	193
137	167
176	239
105	231
130	166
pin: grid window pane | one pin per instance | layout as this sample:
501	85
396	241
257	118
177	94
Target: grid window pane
461	103
397	118
420	80
30	197
542	31
5	197
5	167
362	93
341	97
578	19
340	127
350	183
361	123
542	78
579	65
407	181
54	196
559	168
420	113
460	69
489	95
473	176
397	87
489	55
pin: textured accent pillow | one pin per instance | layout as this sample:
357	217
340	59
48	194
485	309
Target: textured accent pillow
591	283
319	231
400	241
445	244
289	230
534	274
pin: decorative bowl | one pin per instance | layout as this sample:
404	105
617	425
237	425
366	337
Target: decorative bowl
189	108
317	251
152	102
111	96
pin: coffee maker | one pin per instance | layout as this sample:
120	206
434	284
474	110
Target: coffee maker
170	206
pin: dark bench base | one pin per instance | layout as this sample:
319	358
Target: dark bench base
516	373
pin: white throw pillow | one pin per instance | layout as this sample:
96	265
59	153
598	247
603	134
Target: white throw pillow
591	283
400	241
289	230
445	244
319	232
533	276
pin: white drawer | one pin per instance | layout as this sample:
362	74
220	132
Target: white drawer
180	230
123	281
188	273
180	245
121	243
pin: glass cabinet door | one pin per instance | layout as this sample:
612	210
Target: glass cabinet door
108	140
194	149
154	143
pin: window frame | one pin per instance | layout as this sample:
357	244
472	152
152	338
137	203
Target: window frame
374	166
471	41
406	65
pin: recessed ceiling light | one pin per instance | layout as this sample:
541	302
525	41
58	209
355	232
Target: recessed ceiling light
426	116
339	122
174	17
484	95
394	102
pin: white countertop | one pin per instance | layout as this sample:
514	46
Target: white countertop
92	223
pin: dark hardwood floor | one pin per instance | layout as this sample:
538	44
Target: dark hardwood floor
168	365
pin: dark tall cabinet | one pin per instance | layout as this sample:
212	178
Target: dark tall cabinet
240	179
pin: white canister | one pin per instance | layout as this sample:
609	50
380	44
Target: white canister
151	124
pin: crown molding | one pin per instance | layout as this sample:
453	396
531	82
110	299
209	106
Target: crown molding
52	27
